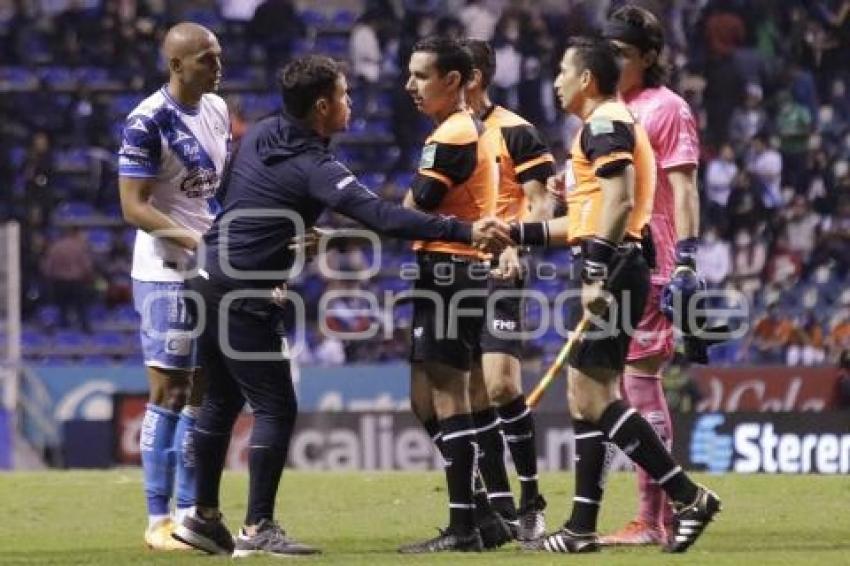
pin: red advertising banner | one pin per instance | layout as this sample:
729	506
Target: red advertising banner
128	412
766	389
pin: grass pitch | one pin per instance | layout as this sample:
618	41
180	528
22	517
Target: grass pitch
360	518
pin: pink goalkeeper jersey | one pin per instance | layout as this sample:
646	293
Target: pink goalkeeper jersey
672	132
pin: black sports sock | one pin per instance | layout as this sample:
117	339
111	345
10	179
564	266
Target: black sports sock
269	445
459	453
590	477
432	427
518	427
626	428
210	452
491	462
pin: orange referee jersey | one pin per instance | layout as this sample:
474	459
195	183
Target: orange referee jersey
457	176
609	135
522	156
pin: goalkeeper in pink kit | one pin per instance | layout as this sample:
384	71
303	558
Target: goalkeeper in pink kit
672	132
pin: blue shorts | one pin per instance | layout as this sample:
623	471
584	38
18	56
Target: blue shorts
168	325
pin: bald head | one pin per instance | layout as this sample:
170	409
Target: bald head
193	56
186	39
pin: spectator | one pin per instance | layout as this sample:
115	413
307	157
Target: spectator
748	260
69	269
844	380
748	120
807	347
719	174
37	172
793	125
834	241
479	19
769	338
275	26
714	258
801	225
506	45
365	53
765	165
784	266
745	208
838	341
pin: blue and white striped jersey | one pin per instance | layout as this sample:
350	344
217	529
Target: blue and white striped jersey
184	149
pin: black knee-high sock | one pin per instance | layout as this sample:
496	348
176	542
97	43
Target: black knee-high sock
210	452
491	462
459	452
518	426
626	428
269	445
591	451
482	503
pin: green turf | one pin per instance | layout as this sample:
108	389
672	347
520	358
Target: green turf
360	518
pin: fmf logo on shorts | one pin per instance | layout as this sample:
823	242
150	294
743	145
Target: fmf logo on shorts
751	447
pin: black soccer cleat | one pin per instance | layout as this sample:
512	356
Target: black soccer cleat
532	523
448	541
270	540
209	535
495	531
565	541
689	521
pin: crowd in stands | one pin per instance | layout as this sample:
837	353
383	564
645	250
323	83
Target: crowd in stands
767	80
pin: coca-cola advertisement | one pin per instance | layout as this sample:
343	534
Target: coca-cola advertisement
766	389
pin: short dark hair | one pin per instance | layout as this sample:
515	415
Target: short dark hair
306	79
451	55
483	59
640	27
600	58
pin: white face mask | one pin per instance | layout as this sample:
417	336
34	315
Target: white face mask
810	298
743	239
840	168
710	237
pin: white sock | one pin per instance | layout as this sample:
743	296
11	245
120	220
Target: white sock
180	514
154	519
191	411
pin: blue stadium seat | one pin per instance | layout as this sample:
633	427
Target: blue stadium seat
373	180
109	343
123	104
344	18
58	77
74	210
34	343
100	240
313	18
17	78
47	316
70	342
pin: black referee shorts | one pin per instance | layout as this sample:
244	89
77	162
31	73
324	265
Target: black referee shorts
448	310
505	320
605	346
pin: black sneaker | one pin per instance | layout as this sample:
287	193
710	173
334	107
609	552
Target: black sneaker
270	540
209	535
532	523
448	541
690	521
564	540
494	530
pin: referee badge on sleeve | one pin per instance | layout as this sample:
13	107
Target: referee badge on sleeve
429	154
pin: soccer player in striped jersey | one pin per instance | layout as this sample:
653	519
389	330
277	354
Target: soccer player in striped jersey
672	131
172	156
498	403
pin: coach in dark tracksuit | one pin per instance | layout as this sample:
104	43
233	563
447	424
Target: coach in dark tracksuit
283	166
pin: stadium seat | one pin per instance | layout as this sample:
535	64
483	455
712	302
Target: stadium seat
70	343
74	210
100	240
344	18
313	18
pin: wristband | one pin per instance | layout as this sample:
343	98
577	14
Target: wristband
598	253
530	233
